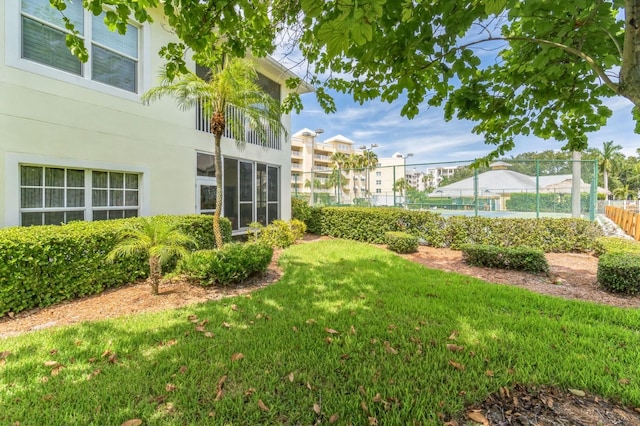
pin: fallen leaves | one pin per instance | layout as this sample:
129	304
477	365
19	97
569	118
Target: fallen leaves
478	417
456	365
455	348
262	406
132	422
331	331
170	387
219	387
577	392
316	409
237	356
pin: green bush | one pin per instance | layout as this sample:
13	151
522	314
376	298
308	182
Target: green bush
616	245
548	235
232	263
370	225
549	202
401	242
43	265
619	272
278	233
518	258
300	210
314	225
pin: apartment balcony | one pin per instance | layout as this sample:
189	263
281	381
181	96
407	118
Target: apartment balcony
272	140
296	154
322	169
322	158
296	166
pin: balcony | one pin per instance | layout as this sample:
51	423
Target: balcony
272	140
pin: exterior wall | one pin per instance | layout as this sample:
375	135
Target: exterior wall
52	119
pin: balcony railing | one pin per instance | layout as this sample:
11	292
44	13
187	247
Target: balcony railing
272	140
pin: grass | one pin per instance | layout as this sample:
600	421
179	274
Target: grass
351	331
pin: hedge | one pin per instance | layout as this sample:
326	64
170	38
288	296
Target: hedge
370	225
619	272
516	258
43	265
401	242
616	245
232	263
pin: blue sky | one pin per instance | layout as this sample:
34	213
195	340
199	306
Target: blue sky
430	138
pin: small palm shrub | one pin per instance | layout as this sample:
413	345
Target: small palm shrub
278	233
158	240
517	258
230	264
401	242
619	272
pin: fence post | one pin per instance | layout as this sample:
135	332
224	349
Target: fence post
593	197
538	189
475	191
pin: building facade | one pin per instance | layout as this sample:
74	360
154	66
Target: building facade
76	142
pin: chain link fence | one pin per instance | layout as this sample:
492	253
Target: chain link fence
506	188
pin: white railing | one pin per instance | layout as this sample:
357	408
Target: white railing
272	140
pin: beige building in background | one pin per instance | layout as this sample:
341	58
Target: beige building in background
76	143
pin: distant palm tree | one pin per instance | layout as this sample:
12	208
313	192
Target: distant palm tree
157	240
607	161
622	192
337	181
369	161
232	83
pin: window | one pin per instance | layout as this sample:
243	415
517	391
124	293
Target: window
378	174
55	195
113	58
378	191
379	182
115	195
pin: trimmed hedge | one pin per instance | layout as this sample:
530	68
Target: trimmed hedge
232	263
517	258
43	265
370	225
401	242
619	272
616	245
300	210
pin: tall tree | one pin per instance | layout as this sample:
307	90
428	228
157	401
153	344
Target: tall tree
607	160
231	84
515	68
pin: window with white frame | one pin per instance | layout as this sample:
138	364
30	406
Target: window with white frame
378	174
378	191
55	195
113	57
379	182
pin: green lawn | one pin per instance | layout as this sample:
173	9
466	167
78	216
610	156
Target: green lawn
351	331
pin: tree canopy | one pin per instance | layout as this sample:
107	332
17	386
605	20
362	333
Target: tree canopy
539	67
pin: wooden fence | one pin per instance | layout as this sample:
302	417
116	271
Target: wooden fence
628	220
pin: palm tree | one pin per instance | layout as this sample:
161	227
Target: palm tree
339	160
401	185
622	192
157	240
369	160
337	181
231	83
607	161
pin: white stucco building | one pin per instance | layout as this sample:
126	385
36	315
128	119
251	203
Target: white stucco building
76	143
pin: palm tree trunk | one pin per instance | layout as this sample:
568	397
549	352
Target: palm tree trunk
217	231
155	273
605	178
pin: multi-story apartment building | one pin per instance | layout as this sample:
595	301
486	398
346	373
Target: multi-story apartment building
76	142
308	153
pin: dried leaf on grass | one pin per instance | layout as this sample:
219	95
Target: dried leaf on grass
262	406
478	417
316	409
455	348
334	418
331	331
291	377
456	365
237	356
132	422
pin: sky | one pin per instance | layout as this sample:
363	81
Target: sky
433	140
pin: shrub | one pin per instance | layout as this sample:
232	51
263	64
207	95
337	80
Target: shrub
370	225
616	245
401	242
300	210
43	265
232	263
619	272
278	233
518	258
315	222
